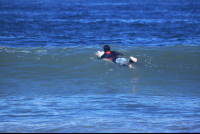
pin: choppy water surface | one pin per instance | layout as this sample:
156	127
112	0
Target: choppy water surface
51	80
63	90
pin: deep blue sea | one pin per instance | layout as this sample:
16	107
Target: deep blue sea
52	81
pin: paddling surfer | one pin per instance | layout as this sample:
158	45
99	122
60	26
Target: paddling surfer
114	57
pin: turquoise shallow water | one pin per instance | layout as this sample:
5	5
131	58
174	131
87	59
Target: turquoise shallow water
51	80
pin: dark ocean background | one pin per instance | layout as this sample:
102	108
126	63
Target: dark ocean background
52	81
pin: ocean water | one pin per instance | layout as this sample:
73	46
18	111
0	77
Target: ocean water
51	80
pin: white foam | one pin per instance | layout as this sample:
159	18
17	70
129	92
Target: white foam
25	51
10	51
41	51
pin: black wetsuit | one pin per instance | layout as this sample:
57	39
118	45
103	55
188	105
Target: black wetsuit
111	55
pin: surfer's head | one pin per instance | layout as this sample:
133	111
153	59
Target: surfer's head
106	48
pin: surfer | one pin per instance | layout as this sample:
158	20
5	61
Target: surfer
114	57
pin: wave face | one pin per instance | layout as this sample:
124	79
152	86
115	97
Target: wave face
59	89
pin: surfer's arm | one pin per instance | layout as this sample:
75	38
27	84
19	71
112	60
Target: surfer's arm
103	56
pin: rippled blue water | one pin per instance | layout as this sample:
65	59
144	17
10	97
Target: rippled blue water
51	80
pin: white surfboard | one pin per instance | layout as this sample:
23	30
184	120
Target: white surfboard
100	53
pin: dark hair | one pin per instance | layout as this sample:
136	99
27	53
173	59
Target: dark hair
106	48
